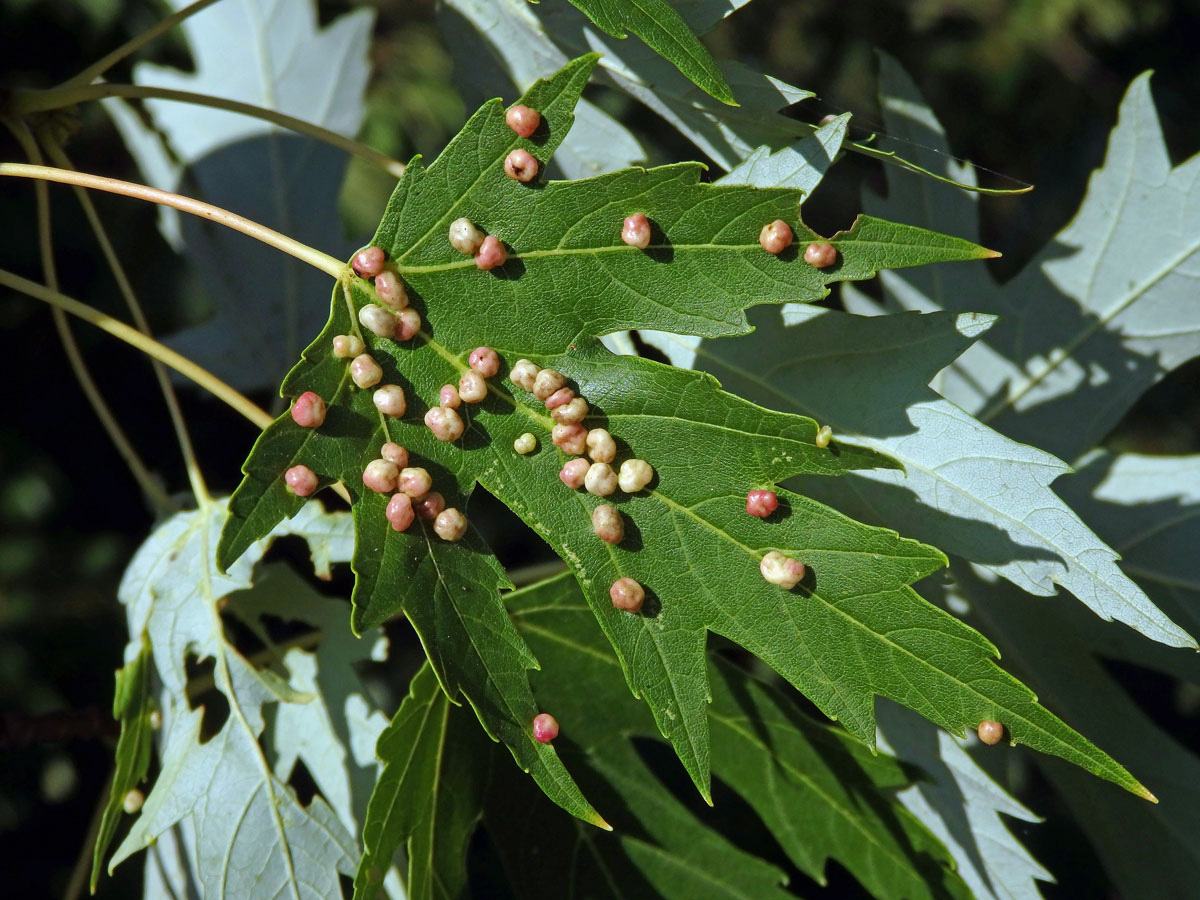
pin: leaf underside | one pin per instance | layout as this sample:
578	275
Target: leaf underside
850	630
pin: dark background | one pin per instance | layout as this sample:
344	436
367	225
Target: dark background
1027	89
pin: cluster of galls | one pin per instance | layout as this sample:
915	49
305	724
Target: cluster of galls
776	237
412	486
596	475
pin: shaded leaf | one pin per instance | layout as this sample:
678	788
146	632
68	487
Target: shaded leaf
801	165
1146	849
248	833
132	704
429	795
1110	296
285	181
334	733
820	793
1122	338
1148	509
828	372
664	30
961	805
823	793
537	45
501	41
726	134
965	487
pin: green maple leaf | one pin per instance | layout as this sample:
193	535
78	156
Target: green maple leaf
820	792
851	630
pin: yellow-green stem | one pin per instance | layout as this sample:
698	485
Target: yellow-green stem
147	345
150	487
151	348
315	258
195	475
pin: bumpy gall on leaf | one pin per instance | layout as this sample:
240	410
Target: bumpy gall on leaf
570	439
627	594
381	476
348	346
635	231
390	290
389	399
521	165
607	523
491	254
821	254
309	410
573	472
761	503
781	570
400	512
465	237
990	732
364	371
775	237
415	481
300	480
635	474
377	320
571	412
485	361
445	423
545	728
368	262
450	524
430	506
524	374
472	387
523	120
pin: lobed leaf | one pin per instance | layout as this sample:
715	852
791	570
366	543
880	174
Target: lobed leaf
428	795
962	806
851	631
966	487
248	832
526	46
802	165
823	793
1124	331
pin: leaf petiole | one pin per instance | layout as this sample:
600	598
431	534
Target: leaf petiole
334	268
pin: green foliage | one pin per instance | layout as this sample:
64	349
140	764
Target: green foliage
941	395
250	832
821	793
663	29
695	548
132	705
